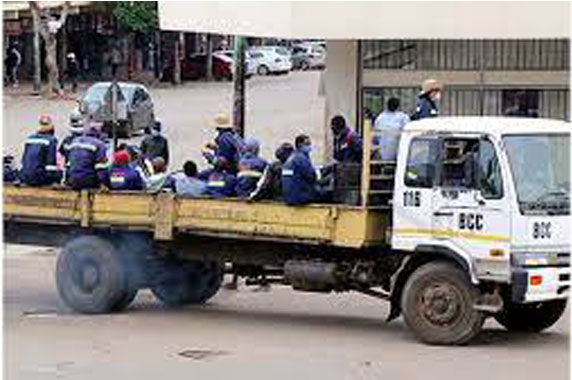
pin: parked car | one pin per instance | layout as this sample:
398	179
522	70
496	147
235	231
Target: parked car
139	107
270	60
308	56
250	69
195	67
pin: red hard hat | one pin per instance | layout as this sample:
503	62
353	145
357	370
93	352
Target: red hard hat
121	157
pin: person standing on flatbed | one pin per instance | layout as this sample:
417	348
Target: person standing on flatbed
428	99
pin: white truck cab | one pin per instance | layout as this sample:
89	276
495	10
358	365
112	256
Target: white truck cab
493	193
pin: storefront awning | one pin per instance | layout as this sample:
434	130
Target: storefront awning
370	20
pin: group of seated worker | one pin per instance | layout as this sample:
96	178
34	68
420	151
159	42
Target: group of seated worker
236	168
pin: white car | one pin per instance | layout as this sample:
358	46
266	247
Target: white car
270	59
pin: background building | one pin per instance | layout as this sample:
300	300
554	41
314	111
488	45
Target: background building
481	77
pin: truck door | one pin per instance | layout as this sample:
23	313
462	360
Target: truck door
470	210
412	200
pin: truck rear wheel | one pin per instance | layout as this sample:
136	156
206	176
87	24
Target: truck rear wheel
191	282
90	276
531	317
437	304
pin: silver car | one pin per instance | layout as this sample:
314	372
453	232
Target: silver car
137	115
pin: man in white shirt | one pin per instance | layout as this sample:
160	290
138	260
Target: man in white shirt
387	130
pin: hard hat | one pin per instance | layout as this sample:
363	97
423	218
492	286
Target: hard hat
429	85
46	124
223	121
121	157
71	55
251	145
76	121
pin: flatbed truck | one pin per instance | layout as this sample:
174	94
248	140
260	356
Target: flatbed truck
471	221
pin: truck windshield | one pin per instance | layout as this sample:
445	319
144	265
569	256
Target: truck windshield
540	166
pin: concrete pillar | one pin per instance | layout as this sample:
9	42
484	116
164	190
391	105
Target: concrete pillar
340	86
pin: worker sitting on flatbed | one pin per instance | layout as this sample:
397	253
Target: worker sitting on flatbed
228	144
186	183
123	174
88	161
250	168
39	166
221	182
299	182
270	186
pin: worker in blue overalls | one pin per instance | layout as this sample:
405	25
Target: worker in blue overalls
39	165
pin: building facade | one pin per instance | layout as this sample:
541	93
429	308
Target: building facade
481	77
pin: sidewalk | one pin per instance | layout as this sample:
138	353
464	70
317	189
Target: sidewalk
25	89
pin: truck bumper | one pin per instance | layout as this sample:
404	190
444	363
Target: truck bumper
540	284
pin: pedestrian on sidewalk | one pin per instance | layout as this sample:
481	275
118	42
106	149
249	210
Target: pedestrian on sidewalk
12	62
72	72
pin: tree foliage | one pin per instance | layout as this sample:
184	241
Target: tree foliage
136	16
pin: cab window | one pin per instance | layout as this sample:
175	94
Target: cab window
489	174
421	166
458	163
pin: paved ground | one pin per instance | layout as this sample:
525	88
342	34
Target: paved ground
256	335
278	108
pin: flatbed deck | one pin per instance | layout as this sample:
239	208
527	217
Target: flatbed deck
168	216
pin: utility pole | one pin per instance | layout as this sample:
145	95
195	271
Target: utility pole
209	57
177	60
239	87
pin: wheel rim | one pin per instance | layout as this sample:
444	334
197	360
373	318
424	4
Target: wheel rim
86	276
440	304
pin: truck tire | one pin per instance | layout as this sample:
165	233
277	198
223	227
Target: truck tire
192	282
531	317
437	304
90	276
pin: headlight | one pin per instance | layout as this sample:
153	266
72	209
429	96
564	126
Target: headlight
535	259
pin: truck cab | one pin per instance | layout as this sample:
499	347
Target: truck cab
493	195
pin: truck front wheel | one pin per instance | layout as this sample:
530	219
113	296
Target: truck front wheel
192	282
90	276
437	304
531	317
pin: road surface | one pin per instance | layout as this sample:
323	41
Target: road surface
246	334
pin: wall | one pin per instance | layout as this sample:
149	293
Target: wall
340	85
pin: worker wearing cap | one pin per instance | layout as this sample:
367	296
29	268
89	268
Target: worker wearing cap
88	161
39	165
76	130
123	175
227	144
427	100
250	168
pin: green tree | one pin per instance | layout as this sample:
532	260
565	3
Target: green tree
135	17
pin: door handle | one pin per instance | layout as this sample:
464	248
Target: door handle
438	213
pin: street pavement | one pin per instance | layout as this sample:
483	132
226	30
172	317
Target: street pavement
245	334
241	334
